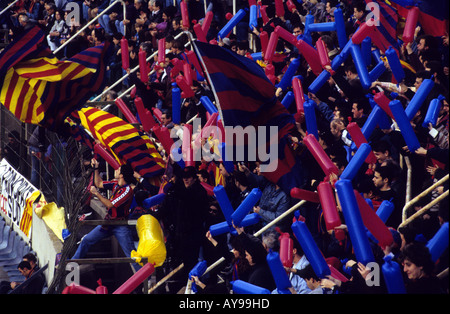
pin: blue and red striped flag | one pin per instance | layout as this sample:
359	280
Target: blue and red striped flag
387	26
433	14
40	89
246	97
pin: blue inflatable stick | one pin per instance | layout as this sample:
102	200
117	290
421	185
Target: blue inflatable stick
232	23
278	273
439	242
433	111
395	65
360	66
354	222
246	206
418	98
207	103
310	248
405	126
243	287
393	276
286	80
310	118
385	210
356	162
154	200
176	104
288	99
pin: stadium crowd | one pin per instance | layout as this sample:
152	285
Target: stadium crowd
188	210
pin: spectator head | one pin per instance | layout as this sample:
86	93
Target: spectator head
241	180
336	127
30	258
416	261
383	176
140	196
242	48
358	108
382	150
24	268
166	118
298	29
420	77
189	176
426	42
126	175
359	10
203	175
270	241
307	273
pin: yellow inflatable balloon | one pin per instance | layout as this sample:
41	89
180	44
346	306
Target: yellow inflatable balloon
151	241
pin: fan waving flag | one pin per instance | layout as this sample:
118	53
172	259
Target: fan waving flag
40	89
123	140
246	97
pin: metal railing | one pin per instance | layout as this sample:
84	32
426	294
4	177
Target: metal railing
406	220
92	21
9	6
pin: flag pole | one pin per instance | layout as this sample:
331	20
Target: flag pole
207	75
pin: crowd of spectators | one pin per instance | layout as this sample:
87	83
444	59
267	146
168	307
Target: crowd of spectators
187	212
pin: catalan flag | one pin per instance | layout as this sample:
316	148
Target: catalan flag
40	89
123	140
247	98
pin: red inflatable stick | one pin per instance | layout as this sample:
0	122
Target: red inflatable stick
264	38
187	74
286	248
177	67
306	195
291	6
184	14
207	22
366	29
143	69
373	223
126	111
187	91
158	114
264	15
311	56
101	150
323	55
358	137
161	51
194	61
125	54
329	207
320	155
163	135
146	117
271	46
186	148
286	35
382	101
201	36
279	8
410	25
298	94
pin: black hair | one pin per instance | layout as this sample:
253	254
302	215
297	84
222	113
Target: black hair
24	264
381	146
127	172
418	254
